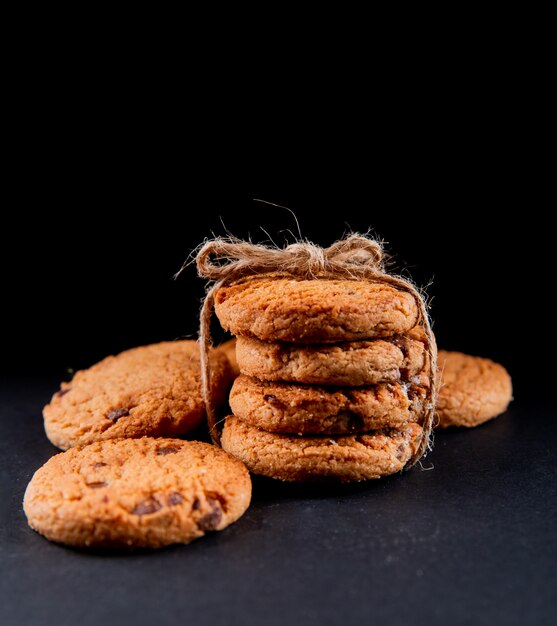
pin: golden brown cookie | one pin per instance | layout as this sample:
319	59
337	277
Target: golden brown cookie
229	348
314	311
152	390
136	493
300	409
343	459
473	390
351	363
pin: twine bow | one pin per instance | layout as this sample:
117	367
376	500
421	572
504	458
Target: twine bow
356	257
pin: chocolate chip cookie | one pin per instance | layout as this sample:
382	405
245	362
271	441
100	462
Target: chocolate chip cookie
351	363
136	493
473	390
300	409
343	459
152	390
314	311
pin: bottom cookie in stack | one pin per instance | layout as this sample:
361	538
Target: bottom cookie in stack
344	458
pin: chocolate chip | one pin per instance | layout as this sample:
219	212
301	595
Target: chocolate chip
400	451
174	499
151	505
213	495
273	400
167	450
354	423
62	392
211	520
99	464
117	414
98	485
105	499
196	505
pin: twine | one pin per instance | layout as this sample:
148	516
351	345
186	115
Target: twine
355	257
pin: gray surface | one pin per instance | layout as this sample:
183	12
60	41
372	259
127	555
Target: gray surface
471	541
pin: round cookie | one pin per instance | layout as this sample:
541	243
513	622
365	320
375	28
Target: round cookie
314	311
300	409
351	364
136	493
473	390
153	390
343	459
229	348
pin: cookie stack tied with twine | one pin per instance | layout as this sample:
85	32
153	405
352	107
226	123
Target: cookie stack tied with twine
336	359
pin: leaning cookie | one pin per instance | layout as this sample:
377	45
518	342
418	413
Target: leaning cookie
314	311
153	390
473	390
136	493
351	363
302	409
349	458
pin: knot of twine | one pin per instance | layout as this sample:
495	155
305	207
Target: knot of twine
355	257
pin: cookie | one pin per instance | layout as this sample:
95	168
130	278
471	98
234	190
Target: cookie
153	390
300	409
136	493
473	390
351	364
229	348
344	459
314	311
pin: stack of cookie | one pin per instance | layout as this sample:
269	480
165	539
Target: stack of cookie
333	377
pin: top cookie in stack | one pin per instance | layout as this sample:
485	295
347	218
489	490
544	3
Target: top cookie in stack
334	377
313	311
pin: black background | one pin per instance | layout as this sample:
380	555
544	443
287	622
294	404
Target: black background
110	198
